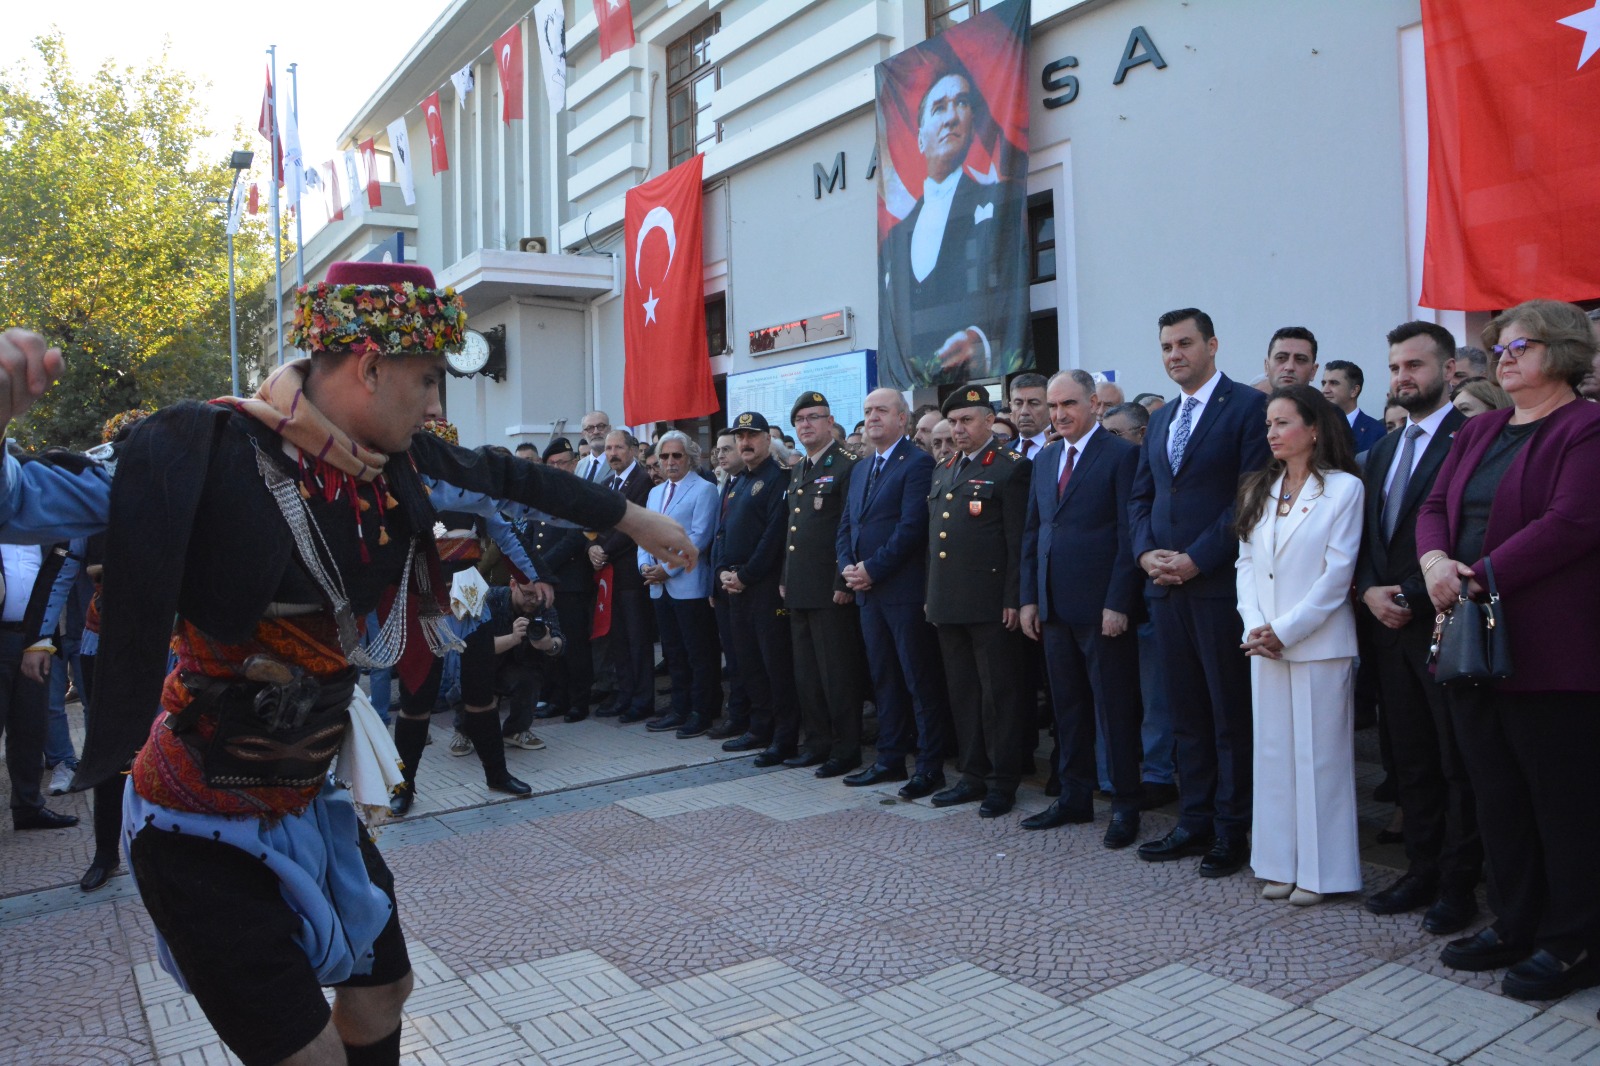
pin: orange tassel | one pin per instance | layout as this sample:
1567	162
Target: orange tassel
383	536
365	506
305	493
389	500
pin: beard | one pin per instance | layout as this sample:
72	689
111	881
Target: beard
1425	399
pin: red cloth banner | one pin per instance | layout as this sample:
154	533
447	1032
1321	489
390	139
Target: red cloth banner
430	114
616	26
602	603
369	163
267	126
508	57
254	205
1513	152
330	190
668	370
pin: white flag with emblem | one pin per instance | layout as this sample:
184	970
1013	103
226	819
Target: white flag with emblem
353	182
294	162
463	81
550	24
400	149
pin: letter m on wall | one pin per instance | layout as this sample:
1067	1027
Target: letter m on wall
833	177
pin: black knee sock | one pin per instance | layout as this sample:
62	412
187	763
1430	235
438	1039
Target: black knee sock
385	1052
108	822
483	729
410	737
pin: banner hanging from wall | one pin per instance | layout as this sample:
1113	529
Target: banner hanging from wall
952	204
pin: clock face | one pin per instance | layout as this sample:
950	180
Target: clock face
473	356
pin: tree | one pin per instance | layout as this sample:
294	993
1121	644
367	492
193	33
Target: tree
113	239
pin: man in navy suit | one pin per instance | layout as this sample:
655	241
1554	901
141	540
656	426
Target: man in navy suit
1197	448
1341	384
1080	596
633	638
883	555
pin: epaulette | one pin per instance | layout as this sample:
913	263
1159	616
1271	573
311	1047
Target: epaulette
1013	456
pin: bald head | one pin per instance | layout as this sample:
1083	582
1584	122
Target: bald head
884	417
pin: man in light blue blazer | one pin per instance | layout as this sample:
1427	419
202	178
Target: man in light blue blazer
682	599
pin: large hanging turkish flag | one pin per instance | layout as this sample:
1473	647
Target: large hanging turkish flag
1513	152
508	57
616	26
430	114
668	370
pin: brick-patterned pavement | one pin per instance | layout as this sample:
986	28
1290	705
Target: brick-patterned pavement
664	903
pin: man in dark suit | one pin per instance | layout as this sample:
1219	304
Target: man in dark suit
1443	851
882	549
977	505
1342	382
1194	453
1080	597
633	639
565	551
747	560
736	711
954	270
830	668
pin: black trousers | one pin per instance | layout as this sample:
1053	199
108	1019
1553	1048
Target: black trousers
830	673
908	685
23	716
1531	761
574	669
738	699
688	631
1094	690
983	667
1208	688
633	649
1441	818
766	662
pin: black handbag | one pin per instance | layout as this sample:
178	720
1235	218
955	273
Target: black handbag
1473	645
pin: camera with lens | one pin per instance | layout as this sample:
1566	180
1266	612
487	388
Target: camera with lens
537	630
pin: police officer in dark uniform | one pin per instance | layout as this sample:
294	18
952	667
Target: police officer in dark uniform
747	557
565	551
829	661
977	507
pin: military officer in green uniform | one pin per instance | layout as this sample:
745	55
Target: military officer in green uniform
830	668
977	506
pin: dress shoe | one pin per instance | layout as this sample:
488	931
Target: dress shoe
552	711
995	804
805	759
1452	913
727	729
837	767
1153	794
95	877
665	723
1412	892
400	802
962	792
41	818
640	715
1123	830
1059	814
697	726
608	709
1390	836
1178	844
773	756
1304	897
1544	976
1277	890
1226	857
577	714
877	775
920	785
744	742
1484	950
511	786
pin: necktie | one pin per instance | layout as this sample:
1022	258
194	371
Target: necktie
1180	432
872	475
671	486
1027	446
1402	479
961	467
1066	472
616	483
727	496
805	468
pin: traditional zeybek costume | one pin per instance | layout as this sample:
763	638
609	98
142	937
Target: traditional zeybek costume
266	532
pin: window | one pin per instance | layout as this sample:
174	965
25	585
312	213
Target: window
1041	238
942	14
691	81
716	325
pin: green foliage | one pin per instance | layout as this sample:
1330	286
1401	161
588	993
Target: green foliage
113	239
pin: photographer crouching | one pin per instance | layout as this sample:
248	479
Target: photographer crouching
527	633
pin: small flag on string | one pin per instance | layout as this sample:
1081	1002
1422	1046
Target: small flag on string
508	57
435	121
255	199
616	26
464	82
352	175
400	148
369	161
550	27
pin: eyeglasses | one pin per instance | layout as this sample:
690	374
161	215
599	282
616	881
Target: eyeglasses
597	427
1515	350
802	420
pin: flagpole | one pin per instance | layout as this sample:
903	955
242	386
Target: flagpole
277	225
299	240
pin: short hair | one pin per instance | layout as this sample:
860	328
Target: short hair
940	75
1349	370
632	441
691	447
839	433
527	446
1002	420
1565	330
1294	333
921	410
1485	391
1081	378
1476	357
1444	342
1144	398
1202	321
1137	412
861	424
1029	380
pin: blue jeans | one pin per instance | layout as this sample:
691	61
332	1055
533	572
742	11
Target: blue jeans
379	679
58	737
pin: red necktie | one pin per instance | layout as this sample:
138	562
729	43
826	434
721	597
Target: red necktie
1027	446
1066	472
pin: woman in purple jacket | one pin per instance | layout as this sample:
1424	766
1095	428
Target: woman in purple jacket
1518	491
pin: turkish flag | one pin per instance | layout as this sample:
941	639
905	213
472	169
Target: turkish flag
508	57
369	163
430	114
255	199
330	191
267	126
1513	152
667	374
616	26
602	603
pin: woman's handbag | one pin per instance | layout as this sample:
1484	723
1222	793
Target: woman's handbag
1472	645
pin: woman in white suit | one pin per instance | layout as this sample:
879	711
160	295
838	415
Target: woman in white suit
1299	523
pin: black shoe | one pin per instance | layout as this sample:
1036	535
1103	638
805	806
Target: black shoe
1390	836
744	742
1052	787
578	714
608	709
1412	892
837	767
1059	814
1453	913
773	756
1178	844
95	877
805	759
400	802
1543	976
552	711
1484	950
665	723
511	786
41	818
1123	830
728	729
632	717
696	726
920	785
1387	791
962	792
1226	857
1153	794
995	804
877	775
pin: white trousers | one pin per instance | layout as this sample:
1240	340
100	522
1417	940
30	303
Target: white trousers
1304	830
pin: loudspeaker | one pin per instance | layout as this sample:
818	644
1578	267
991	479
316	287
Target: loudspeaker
533	244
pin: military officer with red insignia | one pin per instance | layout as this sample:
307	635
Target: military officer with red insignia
977	506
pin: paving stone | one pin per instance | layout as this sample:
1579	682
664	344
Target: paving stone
1547	1040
